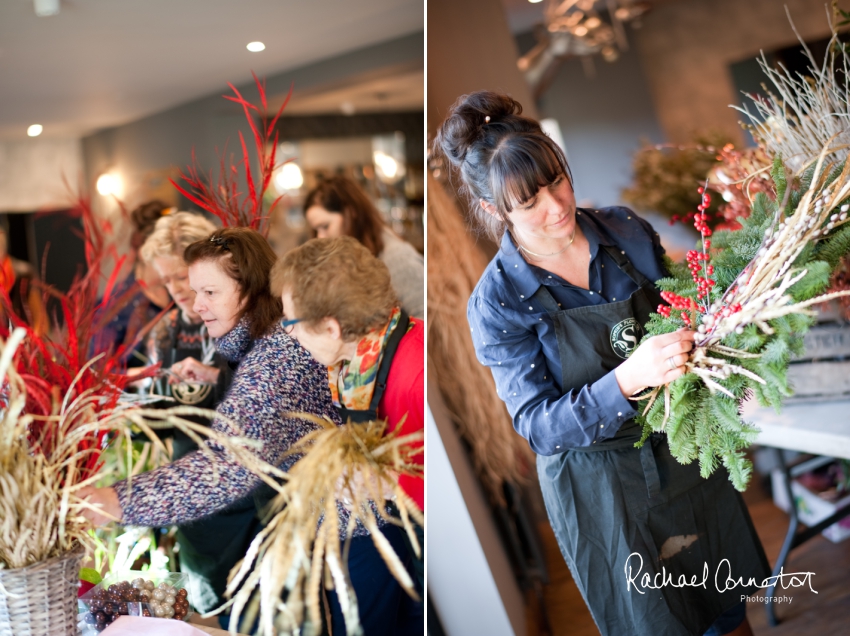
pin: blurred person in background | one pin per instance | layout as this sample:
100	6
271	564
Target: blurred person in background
17	289
140	309
340	207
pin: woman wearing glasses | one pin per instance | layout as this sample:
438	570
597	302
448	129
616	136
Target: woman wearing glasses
339	304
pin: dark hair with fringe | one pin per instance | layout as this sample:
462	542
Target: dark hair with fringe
361	219
503	158
247	258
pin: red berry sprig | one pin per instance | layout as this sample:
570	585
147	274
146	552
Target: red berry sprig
701	217
701	269
677	302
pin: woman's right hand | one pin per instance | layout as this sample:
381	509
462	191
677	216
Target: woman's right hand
658	361
190	370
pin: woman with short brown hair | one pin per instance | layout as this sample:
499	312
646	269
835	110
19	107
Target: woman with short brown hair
339	304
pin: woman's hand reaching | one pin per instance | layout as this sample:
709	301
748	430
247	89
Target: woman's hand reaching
658	361
190	370
105	500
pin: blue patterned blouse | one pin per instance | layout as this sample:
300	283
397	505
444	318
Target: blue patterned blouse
515	337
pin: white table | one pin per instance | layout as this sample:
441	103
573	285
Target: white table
820	428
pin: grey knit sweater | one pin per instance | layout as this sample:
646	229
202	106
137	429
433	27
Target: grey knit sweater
407	273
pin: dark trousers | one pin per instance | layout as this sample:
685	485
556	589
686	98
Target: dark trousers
385	608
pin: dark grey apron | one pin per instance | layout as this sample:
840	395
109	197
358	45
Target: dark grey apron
610	500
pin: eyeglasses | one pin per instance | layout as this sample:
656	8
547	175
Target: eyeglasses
287	324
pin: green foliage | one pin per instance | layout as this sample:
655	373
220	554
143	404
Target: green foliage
666	178
813	283
704	425
832	249
779	178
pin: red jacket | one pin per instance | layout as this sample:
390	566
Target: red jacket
405	394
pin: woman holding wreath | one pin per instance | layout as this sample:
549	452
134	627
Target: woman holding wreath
557	316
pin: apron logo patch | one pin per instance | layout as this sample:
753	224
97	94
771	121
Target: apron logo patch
625	336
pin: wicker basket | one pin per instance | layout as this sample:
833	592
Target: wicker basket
41	599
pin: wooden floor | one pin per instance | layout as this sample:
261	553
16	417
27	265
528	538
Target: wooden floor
826	613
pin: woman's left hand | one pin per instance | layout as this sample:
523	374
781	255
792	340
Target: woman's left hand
107	500
190	370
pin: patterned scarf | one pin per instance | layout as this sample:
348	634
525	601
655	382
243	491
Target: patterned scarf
352	382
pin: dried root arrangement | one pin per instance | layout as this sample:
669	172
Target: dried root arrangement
455	263
304	545
40	515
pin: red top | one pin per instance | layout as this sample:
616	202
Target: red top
405	394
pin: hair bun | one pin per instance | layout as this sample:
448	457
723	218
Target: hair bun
467	118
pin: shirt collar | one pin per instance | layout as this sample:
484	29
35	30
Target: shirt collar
526	278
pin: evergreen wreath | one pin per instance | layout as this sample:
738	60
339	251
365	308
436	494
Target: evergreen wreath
749	293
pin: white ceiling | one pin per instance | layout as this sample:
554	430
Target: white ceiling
102	63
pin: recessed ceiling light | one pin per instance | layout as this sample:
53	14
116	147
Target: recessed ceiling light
35	130
45	8
255	47
535	1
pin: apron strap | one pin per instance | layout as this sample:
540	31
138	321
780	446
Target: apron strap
626	266
545	298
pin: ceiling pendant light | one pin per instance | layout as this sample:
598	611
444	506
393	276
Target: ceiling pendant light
44	8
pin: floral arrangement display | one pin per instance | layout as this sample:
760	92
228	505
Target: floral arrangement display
280	579
39	475
749	293
222	197
665	177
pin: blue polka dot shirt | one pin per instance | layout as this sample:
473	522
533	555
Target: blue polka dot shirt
515	337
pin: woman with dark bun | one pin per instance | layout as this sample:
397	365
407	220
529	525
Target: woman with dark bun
339	207
557	316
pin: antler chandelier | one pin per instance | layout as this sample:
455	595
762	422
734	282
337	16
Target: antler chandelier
579	28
